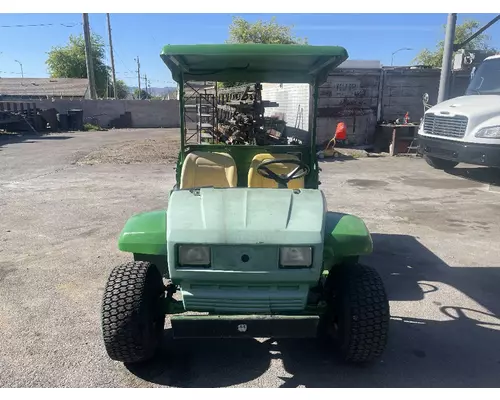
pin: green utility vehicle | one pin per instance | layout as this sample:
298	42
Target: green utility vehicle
247	247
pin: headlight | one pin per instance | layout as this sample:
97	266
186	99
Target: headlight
194	255
491	132
295	256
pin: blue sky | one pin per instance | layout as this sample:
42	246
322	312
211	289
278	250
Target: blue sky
366	36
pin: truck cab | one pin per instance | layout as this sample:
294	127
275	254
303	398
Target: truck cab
466	128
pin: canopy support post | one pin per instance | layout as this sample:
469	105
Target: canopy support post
182	115
314	124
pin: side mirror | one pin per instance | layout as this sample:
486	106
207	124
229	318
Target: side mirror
425	97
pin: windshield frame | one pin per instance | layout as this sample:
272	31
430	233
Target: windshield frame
488	69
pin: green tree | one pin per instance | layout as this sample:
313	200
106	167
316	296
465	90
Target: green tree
121	89
434	58
267	32
142	95
69	61
270	32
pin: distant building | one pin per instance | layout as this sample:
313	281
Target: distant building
360	64
17	89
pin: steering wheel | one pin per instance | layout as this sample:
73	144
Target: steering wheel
282	180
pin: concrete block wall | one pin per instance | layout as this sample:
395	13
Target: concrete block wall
293	100
361	97
358	97
403	90
349	96
459	83
145	113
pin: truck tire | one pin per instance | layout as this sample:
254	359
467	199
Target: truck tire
132	316
357	320
439	163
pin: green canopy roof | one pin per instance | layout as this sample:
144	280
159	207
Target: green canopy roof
272	63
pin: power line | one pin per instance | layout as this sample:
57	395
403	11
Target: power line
121	75
71	25
134	77
119	58
161	81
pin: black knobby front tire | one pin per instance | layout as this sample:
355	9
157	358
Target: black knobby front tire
439	163
358	314
132	316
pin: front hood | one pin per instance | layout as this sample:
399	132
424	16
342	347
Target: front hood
474	106
246	216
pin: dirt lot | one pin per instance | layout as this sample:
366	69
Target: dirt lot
64	199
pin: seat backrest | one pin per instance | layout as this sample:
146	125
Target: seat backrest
256	180
208	169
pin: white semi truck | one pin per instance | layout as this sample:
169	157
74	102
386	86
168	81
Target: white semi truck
467	128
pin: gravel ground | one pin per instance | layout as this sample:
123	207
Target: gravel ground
64	199
146	151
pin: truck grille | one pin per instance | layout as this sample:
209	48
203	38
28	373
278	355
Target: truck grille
243	298
441	125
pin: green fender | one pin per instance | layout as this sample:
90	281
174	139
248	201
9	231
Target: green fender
145	233
345	236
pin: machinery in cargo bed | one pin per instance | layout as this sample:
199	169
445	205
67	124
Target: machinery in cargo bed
247	246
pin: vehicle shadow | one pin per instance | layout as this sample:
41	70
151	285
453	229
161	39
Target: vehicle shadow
337	158
28	138
205	363
453	346
486	175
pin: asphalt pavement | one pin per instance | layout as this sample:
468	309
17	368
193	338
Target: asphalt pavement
436	239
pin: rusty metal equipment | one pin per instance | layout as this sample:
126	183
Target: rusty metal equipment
15	116
231	115
241	120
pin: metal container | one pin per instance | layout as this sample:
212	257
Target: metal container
75	117
62	122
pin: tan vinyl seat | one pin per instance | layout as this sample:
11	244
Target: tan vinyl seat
256	180
208	169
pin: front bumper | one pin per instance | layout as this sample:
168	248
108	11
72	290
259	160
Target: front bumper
244	326
470	153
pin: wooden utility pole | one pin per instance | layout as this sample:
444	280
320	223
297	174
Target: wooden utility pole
88	56
146	83
139	76
113	74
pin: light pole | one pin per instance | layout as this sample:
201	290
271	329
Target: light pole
447	58
21	65
397	51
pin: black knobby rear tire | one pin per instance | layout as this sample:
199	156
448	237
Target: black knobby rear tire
132	316
358	314
439	163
